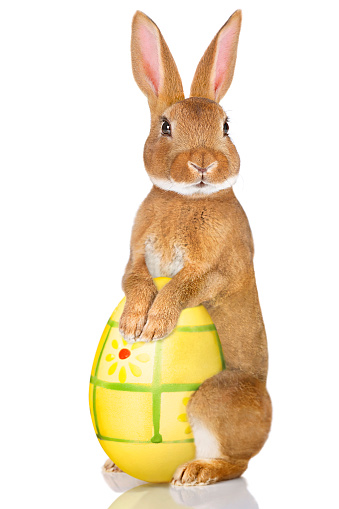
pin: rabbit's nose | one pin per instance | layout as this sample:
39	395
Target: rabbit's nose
202	169
196	167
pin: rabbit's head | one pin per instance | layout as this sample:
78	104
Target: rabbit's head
188	150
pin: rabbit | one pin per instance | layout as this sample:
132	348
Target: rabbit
192	229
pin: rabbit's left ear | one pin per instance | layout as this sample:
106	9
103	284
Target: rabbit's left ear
214	73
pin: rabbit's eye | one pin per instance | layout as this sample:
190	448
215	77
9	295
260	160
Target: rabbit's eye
226	128
166	128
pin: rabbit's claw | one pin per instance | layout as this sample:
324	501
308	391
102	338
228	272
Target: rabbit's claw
159	324
111	467
193	473
131	325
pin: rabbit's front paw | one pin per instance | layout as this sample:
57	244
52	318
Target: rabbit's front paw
159	324
131	324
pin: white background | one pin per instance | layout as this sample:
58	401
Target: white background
73	124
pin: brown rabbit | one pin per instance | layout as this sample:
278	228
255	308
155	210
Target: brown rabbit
192	228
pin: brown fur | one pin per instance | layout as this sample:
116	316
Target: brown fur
202	85
213	235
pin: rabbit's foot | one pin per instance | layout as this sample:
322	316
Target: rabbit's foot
206	471
194	473
109	466
131	325
160	323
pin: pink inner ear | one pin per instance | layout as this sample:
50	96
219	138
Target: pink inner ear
225	45
150	55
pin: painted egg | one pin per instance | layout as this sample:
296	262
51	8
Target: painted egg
139	392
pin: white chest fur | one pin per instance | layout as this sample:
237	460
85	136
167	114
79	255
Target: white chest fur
158	265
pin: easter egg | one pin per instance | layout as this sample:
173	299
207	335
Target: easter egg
139	392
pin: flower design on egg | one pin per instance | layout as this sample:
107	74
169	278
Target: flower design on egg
122	357
183	417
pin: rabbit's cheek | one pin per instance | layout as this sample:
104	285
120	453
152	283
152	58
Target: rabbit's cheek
233	159
156	159
220	173
226	170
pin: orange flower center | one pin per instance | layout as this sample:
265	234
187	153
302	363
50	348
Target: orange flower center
124	353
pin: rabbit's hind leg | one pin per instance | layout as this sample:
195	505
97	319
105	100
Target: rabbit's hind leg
230	415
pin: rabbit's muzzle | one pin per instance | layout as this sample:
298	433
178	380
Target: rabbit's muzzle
194	167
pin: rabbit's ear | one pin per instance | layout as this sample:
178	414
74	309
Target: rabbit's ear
153	66
215	70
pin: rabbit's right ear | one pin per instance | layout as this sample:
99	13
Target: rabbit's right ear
153	66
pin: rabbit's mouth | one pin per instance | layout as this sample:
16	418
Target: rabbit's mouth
197	188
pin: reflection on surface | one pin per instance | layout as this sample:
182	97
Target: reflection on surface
119	481
224	495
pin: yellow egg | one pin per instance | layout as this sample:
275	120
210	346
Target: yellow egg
139	392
